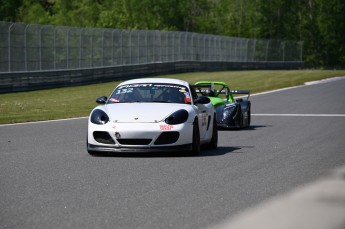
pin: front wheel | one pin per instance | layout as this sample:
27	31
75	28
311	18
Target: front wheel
213	144
93	153
196	138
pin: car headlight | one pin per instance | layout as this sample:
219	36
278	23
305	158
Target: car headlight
99	117
177	117
228	110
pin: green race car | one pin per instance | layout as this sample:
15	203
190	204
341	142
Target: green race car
232	113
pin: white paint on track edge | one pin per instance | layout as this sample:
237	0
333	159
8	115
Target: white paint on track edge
304	85
55	120
302	115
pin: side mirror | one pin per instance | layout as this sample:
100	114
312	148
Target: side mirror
202	100
102	100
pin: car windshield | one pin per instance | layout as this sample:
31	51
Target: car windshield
151	92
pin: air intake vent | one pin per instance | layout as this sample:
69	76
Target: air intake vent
167	138
103	137
134	141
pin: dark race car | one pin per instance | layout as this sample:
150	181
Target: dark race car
232	113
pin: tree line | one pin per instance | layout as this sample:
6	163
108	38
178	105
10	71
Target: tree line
320	24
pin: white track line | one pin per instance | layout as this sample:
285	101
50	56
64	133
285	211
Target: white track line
302	115
304	85
56	120
262	93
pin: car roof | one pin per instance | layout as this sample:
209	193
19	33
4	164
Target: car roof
156	80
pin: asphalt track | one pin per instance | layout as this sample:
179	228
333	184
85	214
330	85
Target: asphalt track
47	179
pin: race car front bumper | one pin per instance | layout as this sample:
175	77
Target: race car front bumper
139	137
133	149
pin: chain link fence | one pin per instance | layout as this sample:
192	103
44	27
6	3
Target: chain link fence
31	47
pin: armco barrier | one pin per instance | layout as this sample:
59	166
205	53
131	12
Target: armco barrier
36	56
27	81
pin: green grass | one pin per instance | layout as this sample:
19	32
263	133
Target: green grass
78	101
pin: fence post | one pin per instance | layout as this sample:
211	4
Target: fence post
102	63
179	47
9	47
301	53
55	48
130	47
80	46
25	48
112	47
40	47
121	48
138	32
172	48
254	51
67	49
91	59
283	47
247	41
268	43
146	48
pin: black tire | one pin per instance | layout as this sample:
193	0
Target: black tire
93	153
196	138
249	116
239	117
214	141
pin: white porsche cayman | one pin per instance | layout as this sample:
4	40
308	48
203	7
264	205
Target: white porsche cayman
152	114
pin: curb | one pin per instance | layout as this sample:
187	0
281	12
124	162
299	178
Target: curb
318	205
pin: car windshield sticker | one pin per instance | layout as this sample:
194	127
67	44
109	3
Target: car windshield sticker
124	90
114	100
187	98
151	92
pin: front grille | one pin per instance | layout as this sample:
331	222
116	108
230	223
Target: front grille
167	138
134	141
103	137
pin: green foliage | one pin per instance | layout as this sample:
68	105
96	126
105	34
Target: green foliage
8	9
318	23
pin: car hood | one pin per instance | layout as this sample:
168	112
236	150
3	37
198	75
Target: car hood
141	112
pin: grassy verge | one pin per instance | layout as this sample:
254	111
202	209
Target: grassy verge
78	101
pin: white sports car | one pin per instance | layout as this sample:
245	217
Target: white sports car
152	114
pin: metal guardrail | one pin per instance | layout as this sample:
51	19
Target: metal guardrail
32	47
43	56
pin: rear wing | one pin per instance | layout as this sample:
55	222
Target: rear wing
201	89
241	92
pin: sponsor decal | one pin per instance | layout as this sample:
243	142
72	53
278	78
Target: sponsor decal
124	91
114	100
203	118
165	127
187	98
